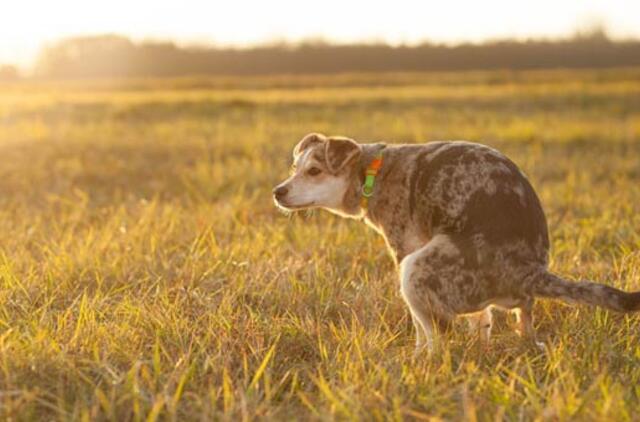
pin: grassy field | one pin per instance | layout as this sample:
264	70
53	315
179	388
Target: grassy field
145	273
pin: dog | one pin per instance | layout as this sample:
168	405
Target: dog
460	219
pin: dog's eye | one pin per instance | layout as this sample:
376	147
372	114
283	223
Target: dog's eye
314	171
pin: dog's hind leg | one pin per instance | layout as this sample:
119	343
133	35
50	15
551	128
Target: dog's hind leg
419	287
481	323
424	333
421	338
524	316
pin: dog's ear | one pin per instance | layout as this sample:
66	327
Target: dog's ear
307	141
339	152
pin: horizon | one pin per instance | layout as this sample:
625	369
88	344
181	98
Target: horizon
289	22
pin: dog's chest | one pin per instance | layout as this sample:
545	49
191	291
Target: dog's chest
412	241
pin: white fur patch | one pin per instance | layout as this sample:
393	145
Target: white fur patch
305	191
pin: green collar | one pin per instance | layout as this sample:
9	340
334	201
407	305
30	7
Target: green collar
370	179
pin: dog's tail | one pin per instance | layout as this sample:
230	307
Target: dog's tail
552	286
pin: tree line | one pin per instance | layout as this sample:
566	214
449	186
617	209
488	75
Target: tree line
117	56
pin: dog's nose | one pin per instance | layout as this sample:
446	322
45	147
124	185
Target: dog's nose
280	191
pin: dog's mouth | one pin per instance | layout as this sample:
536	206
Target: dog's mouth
292	207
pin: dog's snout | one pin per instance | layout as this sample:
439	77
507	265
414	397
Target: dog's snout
280	191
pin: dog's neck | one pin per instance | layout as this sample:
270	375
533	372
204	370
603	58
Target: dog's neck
382	212
370	213
351	203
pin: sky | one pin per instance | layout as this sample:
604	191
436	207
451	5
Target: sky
27	25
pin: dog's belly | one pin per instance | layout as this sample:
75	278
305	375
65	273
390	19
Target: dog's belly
504	302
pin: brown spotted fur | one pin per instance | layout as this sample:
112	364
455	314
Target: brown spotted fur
461	220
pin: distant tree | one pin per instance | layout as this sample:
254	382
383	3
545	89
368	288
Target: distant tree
116	56
83	57
8	73
592	30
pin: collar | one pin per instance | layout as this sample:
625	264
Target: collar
370	179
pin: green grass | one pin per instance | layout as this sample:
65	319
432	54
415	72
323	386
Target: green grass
144	272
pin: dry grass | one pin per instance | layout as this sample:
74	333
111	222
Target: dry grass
144	272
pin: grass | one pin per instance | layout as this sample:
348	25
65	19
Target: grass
145	274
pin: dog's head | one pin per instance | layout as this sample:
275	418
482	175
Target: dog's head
323	172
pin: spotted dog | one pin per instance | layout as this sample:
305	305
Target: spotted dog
460	219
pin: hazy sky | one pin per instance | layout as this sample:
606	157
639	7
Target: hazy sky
26	24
